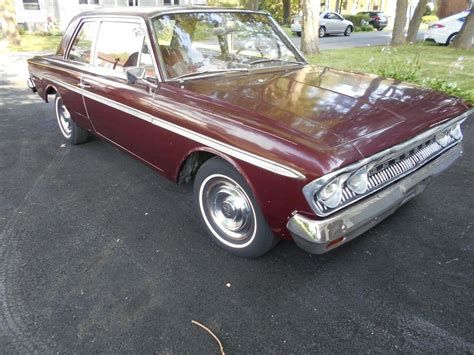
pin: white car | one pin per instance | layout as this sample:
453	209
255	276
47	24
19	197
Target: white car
329	23
444	31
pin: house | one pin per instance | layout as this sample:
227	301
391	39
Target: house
39	15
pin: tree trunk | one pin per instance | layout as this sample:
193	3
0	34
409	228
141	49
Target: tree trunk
252	4
464	38
8	17
415	21
398	34
310	26
286	11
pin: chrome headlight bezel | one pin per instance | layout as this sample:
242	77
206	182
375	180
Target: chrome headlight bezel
359	186
311	191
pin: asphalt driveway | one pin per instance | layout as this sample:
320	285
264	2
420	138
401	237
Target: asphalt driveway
98	253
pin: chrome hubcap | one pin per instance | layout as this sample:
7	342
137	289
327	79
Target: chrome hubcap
227	209
64	119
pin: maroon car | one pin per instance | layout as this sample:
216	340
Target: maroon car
277	148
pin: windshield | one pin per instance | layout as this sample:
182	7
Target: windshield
203	42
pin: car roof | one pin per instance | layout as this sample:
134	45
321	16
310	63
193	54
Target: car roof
148	12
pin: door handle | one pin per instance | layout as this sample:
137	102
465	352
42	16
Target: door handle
84	86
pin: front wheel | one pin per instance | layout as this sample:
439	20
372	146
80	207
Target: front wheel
379	29
322	31
348	31
230	211
73	133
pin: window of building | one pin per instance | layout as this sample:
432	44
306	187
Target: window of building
132	2
31	4
89	2
81	47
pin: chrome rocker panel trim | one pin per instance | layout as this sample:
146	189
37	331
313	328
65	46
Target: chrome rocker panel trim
315	236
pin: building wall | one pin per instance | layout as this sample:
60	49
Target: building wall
63	11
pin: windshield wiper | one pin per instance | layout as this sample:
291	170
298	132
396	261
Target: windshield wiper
269	60
204	72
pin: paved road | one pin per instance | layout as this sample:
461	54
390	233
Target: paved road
98	253
358	39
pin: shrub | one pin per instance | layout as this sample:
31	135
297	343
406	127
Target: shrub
358	20
429	19
428	11
364	28
398	68
442	85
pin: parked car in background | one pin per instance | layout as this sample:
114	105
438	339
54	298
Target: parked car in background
377	19
329	23
275	147
444	31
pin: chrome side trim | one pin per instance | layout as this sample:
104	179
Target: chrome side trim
197	137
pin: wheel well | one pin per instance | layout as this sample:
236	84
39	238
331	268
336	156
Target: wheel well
49	91
191	165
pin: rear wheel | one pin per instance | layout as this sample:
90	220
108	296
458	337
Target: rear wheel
379	28
298	34
348	31
230	211
451	39
69	129
322	31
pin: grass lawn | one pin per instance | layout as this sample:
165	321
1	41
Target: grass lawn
32	43
448	69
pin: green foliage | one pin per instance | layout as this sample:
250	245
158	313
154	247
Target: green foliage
427	11
429	18
275	8
364	28
225	3
439	68
399	68
442	85
21	30
358	20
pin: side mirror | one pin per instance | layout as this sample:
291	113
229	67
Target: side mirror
135	74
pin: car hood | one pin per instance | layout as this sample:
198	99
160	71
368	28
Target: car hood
324	107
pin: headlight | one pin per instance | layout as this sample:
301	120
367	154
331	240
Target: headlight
358	181
455	132
442	139
331	194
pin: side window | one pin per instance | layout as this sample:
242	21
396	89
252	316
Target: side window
119	45
81	47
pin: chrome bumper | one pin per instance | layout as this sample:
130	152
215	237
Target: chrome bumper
31	84
320	236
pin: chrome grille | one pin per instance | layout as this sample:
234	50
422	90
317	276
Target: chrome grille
394	168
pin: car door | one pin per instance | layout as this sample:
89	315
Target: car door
339	24
76	61
119	111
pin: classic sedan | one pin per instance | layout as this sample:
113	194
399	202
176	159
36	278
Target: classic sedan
275	147
329	23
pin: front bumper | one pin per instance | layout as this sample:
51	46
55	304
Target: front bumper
320	236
